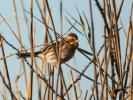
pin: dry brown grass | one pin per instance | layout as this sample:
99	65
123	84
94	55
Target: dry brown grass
113	71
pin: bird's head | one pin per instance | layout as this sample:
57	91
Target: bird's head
72	39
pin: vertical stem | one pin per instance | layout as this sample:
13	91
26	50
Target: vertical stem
59	55
32	50
23	65
7	72
93	46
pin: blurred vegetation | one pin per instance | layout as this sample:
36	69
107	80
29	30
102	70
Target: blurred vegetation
112	66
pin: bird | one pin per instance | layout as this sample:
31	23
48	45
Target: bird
69	44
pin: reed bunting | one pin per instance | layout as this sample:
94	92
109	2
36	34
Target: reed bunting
68	48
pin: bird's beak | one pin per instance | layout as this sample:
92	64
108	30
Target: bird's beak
77	41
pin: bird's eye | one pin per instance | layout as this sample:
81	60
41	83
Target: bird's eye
72	40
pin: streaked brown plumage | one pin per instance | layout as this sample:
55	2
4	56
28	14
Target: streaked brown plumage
68	47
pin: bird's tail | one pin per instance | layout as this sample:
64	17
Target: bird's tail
26	55
23	55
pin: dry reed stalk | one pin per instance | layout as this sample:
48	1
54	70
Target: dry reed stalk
19	37
31	38
7	74
75	91
94	50
113	72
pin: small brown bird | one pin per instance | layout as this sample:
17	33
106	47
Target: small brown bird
68	48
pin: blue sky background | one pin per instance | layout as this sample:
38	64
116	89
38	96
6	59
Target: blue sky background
6	10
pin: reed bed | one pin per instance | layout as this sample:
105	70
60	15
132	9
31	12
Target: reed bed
111	62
